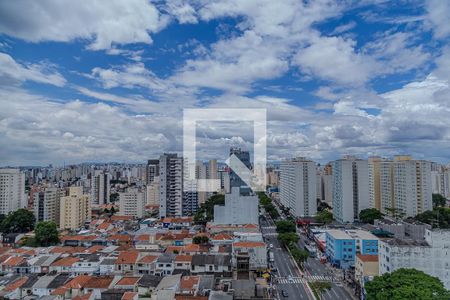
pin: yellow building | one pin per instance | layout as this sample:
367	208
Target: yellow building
366	267
75	209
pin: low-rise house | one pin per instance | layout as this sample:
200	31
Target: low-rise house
183	262
27	287
46	284
14	289
147	264
256	251
41	264
366	268
147	284
87	264
12	264
126	262
165	264
107	266
221	239
128	283
218	265
98	284
120	240
63	265
189	285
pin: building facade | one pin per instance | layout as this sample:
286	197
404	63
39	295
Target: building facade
350	188
132	203
75	209
170	185
298	186
238	209
12	190
100	187
47	205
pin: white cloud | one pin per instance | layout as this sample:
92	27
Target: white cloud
439	16
14	72
102	24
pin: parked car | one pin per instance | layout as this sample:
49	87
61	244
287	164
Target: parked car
284	293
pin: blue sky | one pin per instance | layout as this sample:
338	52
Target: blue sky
108	80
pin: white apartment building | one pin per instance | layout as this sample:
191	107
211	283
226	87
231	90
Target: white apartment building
12	190
100	187
405	185
153	192
238	209
440	182
431	256
298	186
350	188
132	203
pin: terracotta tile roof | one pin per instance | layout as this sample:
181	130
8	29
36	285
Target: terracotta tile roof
16	284
78	237
4	250
3	258
129	295
184	297
60	291
191	248
183	258
104	226
368	257
250	226
128	281
148	259
99	282
248	244
120	237
142	238
66	249
14	261
121	218
65	262
127	257
222	237
83	297
94	249
78	282
188	282
171	249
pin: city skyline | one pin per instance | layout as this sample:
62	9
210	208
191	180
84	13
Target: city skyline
362	78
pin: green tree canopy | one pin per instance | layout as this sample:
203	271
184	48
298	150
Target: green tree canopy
299	255
369	215
439	200
406	284
285	226
288	238
324	216
20	221
438	217
206	211
200	239
46	234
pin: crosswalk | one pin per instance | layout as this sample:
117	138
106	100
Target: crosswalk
284	280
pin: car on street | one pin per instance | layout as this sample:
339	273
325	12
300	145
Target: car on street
284	293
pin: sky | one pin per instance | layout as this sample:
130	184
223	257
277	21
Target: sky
108	80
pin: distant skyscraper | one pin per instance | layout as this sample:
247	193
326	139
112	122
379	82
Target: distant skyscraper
350	188
235	180
100	187
12	190
298	186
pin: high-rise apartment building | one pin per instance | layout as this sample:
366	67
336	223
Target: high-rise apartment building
374	181
350	188
298	187
405	186
100	187
75	209
170	185
152	170
153	192
47	205
132	203
12	190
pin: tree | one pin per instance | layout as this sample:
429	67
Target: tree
46	234
200	239
439	200
299	255
404	284
324	216
319	287
285	226
438	217
206	211
369	215
20	221
288	238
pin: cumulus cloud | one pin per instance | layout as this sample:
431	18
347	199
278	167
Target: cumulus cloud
438	16
102	24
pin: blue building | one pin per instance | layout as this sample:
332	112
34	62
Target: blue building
343	245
